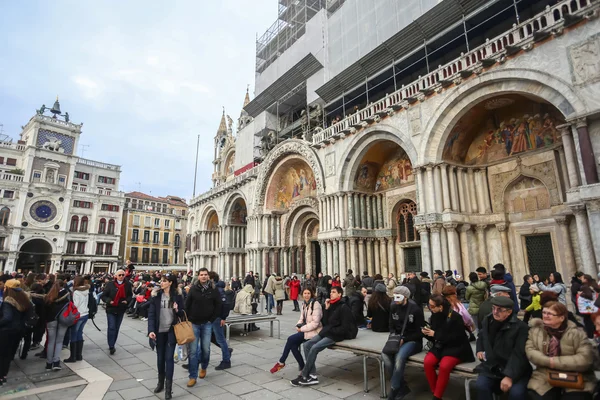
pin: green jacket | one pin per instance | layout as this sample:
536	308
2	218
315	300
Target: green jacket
476	293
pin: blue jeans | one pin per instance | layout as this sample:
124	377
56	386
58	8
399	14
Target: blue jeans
165	350
200	352
270	302
98	297
77	329
114	324
487	386
220	338
396	368
311	349
293	344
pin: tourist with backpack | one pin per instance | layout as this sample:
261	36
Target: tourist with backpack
117	294
57	299
81	298
13	312
219	323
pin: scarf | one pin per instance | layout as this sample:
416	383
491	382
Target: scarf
555	336
497	282
335	301
120	293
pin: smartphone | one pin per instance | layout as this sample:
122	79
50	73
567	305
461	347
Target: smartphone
427	325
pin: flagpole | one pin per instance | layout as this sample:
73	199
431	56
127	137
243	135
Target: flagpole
196	168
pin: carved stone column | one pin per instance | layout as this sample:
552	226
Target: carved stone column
363	211
444	243
350	211
567	249
330	265
486	191
479	190
436	248
376	256
369	250
586	249
471	189
375	208
361	255
571	160
336	257
353	256
587	152
266	268
286	264
342	215
393	263
369	212
462	194
438	191
357	215
483	254
445	188
430	189
468	258
380	216
454	248
503	229
343	266
422	202
323	251
454	204
384	257
425	250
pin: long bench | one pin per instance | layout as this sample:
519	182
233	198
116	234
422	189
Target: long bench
237	319
368	344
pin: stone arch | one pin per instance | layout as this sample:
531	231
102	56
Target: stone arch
536	190
230	201
32	239
298	208
360	145
271	162
228	162
205	216
490	84
299	224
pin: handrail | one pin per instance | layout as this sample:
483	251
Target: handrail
493	49
251	173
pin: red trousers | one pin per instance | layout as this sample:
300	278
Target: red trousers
439	381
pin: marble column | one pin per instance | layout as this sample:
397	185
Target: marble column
393	265
384	257
571	161
570	267
375	208
462	195
350	211
471	189
363	211
422	202
369	251
323	251
342	220
454	249
479	191
377	256
286	265
486	191
321	215
356	206
425	250
330	265
436	247
585	242
332	213
302	259
445	188
380	216
453	189
266	268
278	230
343	263
369	212
444	242
503	229
466	236
481	243
587	152
361	255
430	189
336	257
437	181
353	255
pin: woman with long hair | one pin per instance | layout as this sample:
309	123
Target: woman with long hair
450	344
589	288
378	309
166	305
55	301
556	285
449	293
307	327
555	343
81	295
13	311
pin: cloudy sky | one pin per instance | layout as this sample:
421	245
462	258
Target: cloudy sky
145	77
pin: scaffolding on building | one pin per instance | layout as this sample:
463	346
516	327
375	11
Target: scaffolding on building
289	27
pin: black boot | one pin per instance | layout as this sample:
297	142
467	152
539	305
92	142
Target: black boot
72	357
169	389
79	355
161	384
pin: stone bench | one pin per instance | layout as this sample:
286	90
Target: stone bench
242	319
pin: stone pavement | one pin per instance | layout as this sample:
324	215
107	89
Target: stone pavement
133	370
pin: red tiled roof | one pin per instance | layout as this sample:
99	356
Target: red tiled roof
173	200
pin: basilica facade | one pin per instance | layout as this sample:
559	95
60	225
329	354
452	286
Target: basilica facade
492	157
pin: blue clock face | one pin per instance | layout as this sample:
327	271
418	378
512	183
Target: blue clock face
43	211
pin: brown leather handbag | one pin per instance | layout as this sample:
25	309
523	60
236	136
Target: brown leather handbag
184	332
565	379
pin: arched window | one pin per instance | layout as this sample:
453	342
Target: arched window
4	216
407	232
84	225
74	223
177	240
102	226
111	227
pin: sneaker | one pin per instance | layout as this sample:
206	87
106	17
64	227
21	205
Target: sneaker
56	366
277	367
112	351
296	382
144	319
48	366
223	365
311	380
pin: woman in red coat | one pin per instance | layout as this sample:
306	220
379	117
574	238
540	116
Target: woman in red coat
294	291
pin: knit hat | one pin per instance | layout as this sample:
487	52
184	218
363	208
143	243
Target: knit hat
499	288
403	290
438	272
380	287
424	275
12	284
504	302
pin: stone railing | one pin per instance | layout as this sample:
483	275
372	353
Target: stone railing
56	121
520	37
7	176
235	182
98	164
14	146
102	192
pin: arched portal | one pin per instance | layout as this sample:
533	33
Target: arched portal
209	239
34	255
304	249
235	230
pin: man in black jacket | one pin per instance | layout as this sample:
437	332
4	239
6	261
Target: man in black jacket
117	294
406	320
356	302
501	349
203	306
338	324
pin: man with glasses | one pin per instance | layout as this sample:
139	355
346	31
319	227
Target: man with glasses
117	294
501	343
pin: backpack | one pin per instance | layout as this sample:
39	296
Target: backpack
31	319
69	315
92	305
353	331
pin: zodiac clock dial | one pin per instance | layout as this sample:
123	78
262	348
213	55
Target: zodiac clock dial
42	211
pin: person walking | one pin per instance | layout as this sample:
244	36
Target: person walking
81	297
220	321
475	295
307	327
117	295
294	290
166	305
203	306
269	291
56	299
279	293
13	312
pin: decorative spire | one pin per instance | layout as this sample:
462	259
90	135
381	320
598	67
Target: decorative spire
56	107
247	98
222	126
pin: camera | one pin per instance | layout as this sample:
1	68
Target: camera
300	325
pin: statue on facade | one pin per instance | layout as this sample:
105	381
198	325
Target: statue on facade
267	142
41	110
66	117
229	126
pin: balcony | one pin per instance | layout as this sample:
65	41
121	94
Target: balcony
14	146
7	176
98	164
101	192
520	37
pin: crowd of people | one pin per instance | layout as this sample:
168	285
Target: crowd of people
527	342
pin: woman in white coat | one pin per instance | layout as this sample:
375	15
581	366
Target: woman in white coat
308	326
